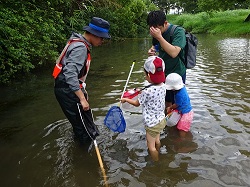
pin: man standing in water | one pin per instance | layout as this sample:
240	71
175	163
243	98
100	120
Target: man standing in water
70	86
171	50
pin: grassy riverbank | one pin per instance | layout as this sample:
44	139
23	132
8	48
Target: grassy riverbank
226	23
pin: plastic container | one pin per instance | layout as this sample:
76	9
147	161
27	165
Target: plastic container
131	94
173	118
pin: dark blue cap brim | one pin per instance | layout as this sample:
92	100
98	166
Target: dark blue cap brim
96	32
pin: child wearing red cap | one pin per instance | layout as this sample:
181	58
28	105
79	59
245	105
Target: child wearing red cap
152	100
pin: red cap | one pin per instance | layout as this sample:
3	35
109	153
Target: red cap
155	66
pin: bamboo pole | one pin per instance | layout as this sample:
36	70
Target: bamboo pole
101	163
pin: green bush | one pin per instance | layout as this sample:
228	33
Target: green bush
28	40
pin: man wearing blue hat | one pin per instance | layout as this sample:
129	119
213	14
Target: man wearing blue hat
74	64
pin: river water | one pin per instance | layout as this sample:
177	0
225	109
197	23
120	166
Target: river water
37	147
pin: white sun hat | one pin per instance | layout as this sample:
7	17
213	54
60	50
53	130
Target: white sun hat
174	82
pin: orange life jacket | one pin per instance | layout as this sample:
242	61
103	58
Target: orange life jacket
58	66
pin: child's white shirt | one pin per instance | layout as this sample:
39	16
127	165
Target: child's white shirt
152	100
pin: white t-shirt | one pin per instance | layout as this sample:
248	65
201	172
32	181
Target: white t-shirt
152	100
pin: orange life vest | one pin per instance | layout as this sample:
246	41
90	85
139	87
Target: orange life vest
58	66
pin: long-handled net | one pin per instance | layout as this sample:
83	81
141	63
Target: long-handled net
114	119
90	127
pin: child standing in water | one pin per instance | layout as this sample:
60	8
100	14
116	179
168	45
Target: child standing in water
182	102
152	100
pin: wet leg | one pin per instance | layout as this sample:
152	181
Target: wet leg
152	148
158	143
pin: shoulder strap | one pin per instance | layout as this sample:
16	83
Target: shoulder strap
171	40
172	33
147	86
67	46
79	40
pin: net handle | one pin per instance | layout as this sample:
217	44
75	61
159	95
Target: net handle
131	69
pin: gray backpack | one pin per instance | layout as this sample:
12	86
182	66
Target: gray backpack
190	48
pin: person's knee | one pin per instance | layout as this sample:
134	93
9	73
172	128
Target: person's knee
152	149
182	133
151	146
157	142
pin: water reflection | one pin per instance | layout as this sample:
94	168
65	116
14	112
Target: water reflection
176	144
61	160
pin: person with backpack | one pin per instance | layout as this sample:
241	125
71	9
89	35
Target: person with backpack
71	72
170	48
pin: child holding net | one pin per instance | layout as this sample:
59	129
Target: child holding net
152	100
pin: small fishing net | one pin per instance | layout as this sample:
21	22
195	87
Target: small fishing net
114	119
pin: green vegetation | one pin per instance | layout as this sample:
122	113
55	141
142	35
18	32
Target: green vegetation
196	6
228	22
33	32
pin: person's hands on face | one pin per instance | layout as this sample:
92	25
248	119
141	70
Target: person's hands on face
155	32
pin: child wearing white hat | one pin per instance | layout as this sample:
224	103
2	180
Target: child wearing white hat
152	100
182	102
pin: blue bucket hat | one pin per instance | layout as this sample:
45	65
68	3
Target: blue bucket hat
98	27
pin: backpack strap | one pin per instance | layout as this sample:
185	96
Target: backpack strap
172	32
171	40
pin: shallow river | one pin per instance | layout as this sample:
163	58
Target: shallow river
37	147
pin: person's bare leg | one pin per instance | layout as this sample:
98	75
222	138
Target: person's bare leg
151	147
182	133
157	143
